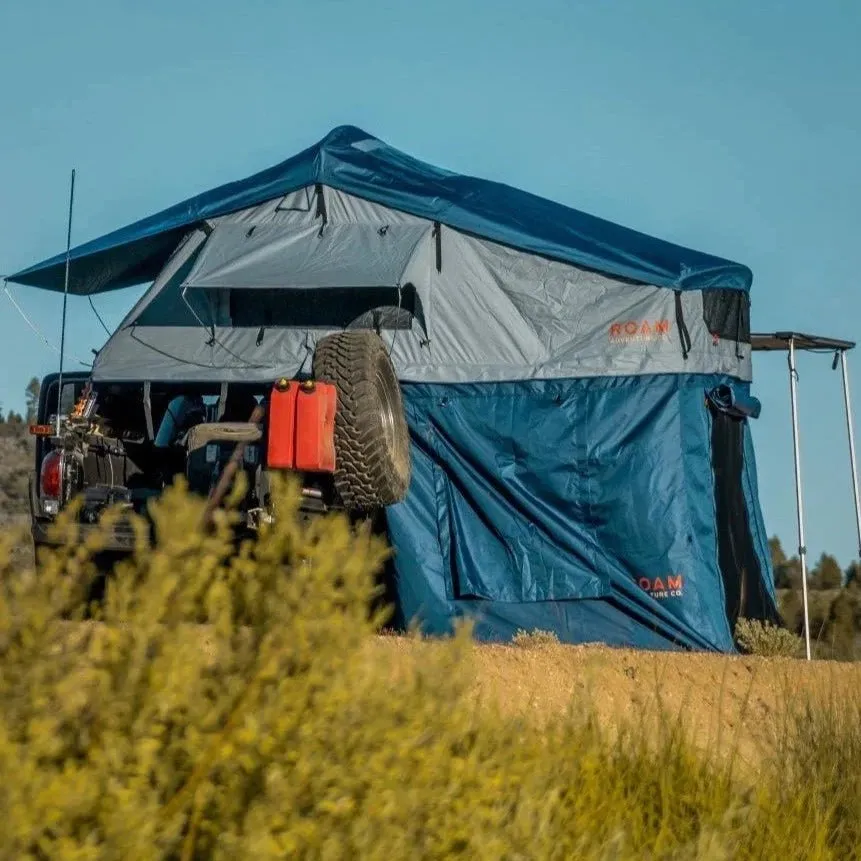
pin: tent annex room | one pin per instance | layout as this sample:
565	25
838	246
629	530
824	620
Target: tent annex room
577	393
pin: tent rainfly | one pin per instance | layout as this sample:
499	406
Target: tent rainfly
577	393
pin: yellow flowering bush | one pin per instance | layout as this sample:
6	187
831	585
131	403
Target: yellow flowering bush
224	703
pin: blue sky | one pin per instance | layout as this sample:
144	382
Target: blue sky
733	127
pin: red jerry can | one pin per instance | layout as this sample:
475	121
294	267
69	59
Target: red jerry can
316	404
281	445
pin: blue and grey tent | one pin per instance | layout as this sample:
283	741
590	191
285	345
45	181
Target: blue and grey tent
577	393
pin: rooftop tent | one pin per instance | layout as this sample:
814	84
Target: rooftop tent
352	161
578	394
246	296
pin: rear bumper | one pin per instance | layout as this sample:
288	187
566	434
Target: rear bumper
119	540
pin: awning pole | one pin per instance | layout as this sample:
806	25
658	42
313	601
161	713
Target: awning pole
802	550
851	431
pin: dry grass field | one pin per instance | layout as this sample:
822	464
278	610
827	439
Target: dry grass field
733	705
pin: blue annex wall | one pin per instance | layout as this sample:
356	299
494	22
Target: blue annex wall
581	506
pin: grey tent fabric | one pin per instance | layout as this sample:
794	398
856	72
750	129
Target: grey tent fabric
281	256
485	312
167	285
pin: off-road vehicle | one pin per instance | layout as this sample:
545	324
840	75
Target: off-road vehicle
341	429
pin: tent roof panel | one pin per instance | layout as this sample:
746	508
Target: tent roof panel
353	161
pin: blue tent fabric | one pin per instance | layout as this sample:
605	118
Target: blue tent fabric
522	514
352	161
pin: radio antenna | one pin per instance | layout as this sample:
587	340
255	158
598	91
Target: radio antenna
65	302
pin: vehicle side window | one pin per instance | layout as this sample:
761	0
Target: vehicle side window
48	409
71	393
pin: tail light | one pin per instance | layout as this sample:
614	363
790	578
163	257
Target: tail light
51	476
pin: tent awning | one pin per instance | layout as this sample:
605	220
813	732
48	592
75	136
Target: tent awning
356	163
779	341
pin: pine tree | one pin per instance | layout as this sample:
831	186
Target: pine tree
788	575
31	393
791	611
827	574
843	621
778	557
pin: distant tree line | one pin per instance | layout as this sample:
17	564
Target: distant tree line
31	395
11	418
834	602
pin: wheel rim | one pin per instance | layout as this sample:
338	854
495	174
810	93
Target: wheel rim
387	411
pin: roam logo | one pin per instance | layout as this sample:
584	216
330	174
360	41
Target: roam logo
671	586
630	331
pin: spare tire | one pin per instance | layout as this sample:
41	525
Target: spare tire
372	448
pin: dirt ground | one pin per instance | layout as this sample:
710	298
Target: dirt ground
728	704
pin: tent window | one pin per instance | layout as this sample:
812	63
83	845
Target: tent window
326	308
727	314
169	308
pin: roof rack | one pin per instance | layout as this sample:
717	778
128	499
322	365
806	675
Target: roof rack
791	343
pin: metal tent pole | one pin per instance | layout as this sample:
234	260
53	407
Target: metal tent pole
802	550
851	431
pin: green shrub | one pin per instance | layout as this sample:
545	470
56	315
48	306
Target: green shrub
767	640
226	705
534	638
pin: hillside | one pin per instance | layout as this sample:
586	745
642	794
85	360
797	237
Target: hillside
16	459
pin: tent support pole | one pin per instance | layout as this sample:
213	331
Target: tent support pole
799	506
850	429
